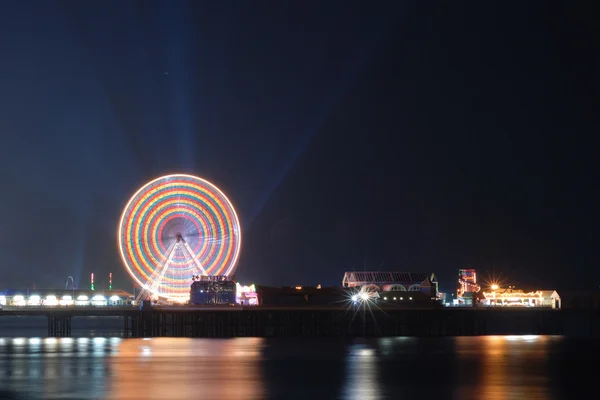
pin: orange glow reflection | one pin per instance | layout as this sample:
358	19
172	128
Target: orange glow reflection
181	368
512	367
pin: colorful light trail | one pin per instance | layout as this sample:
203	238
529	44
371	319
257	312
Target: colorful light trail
175	227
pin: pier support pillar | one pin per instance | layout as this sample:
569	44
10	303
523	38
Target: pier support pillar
141	322
59	325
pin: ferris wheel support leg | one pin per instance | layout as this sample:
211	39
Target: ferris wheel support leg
157	281
150	283
191	253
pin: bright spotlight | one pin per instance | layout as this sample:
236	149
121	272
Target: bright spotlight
494	287
355	298
364	296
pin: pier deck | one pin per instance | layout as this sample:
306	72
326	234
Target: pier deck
223	321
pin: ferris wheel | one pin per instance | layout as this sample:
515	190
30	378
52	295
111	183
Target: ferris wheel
174	228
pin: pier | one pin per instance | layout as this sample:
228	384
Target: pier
223	322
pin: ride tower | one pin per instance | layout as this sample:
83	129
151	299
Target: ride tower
467	282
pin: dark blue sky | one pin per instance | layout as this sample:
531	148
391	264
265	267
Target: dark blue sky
416	135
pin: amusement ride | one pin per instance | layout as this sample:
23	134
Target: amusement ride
174	229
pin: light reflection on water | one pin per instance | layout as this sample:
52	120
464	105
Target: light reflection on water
362	382
492	367
510	367
169	368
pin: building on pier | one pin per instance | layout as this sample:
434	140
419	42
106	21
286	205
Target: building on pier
301	296
511	297
382	282
246	295
64	297
213	292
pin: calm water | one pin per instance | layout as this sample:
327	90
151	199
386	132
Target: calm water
493	367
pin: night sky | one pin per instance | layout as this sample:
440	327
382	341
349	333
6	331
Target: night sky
410	136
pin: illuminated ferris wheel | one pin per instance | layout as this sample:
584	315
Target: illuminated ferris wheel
174	228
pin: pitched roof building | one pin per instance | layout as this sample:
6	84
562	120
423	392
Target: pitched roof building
425	282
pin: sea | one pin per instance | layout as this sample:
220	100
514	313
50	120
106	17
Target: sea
97	364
